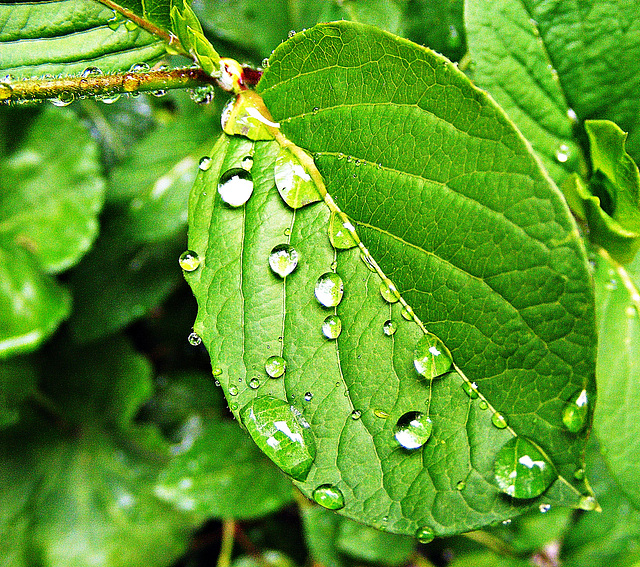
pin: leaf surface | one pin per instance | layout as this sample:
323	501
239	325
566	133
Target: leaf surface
443	192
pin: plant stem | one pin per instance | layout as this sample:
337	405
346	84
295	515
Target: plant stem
491	542
66	89
226	548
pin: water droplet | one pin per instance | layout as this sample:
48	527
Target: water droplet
283	259
130	25
63	99
380	413
205	163
576	412
139	68
340	156
521	470
340	233
287	231
292	33
349	159
483	405
329	289
5	91
367	262
431	358
544	508
499	420
275	366
159	93
425	534
233	390
389	291
470	389
265	62
246	115
202	95
130	82
114	23
308	396
389	328
91	72
316	109
281	434
329	497
572	116
247	162
407	313
194	339
332	327
506	522
413	430
233	406
254	383
461	485
235	186
579	474
562	153
294	183
109	99
189	261
355	414
587	503
217	371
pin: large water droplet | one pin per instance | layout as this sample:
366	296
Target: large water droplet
294	183
389	291
329	496
499	420
425	534
235	186
413	430
576	412
329	289
246	115
339	233
275	366
332	327
431	357
278	430
389	328
283	259
189	261
521	470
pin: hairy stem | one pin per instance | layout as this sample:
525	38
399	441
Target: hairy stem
226	548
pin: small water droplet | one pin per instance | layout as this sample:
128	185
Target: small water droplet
572	116
470	389
332	327
483	405
389	291
130	82
254	383
91	72
265	62
329	289
499	420
413	430
233	390
217	383
349	159
576	412
63	99
407	313
562	153
294	183
611	285
283	259
159	93
205	163
461	485
544	508
204	94
139	67
287	231
114	23
130	25
247	162
587	503
521	470
281	433
431	358
329	497
316	109
233	406
308	396
355	414
235	186
389	328
194	339
357	162
341	234
217	371
109	99
292	33
189	261
340	156
380	413
425	534
506	522
275	366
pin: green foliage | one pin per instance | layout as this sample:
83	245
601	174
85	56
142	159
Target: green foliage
389	287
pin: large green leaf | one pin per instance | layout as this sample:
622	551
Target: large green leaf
52	191
453	208
513	65
617	420
67	36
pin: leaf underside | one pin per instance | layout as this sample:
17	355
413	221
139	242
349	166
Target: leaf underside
446	196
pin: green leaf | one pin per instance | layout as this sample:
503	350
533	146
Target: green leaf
51	198
155	11
513	65
224	475
617	418
65	37
320	534
120	280
187	27
32	303
17	382
487	559
456	239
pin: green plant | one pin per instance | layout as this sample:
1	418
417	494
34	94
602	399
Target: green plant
400	306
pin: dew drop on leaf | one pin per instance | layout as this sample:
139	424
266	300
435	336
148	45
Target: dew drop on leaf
329	497
483	405
521	470
278	430
470	389
275	366
499	420
587	503
339	234
235	186
283	259
544	508
205	163
329	289
332	327
194	339
575	412
355	414
91	72
367	262
233	390
562	153
388	291
407	313
413	430
247	162
389	328
254	383
461	485
425	534
308	397
294	183
189	261
246	115
217	371
431	358
380	413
